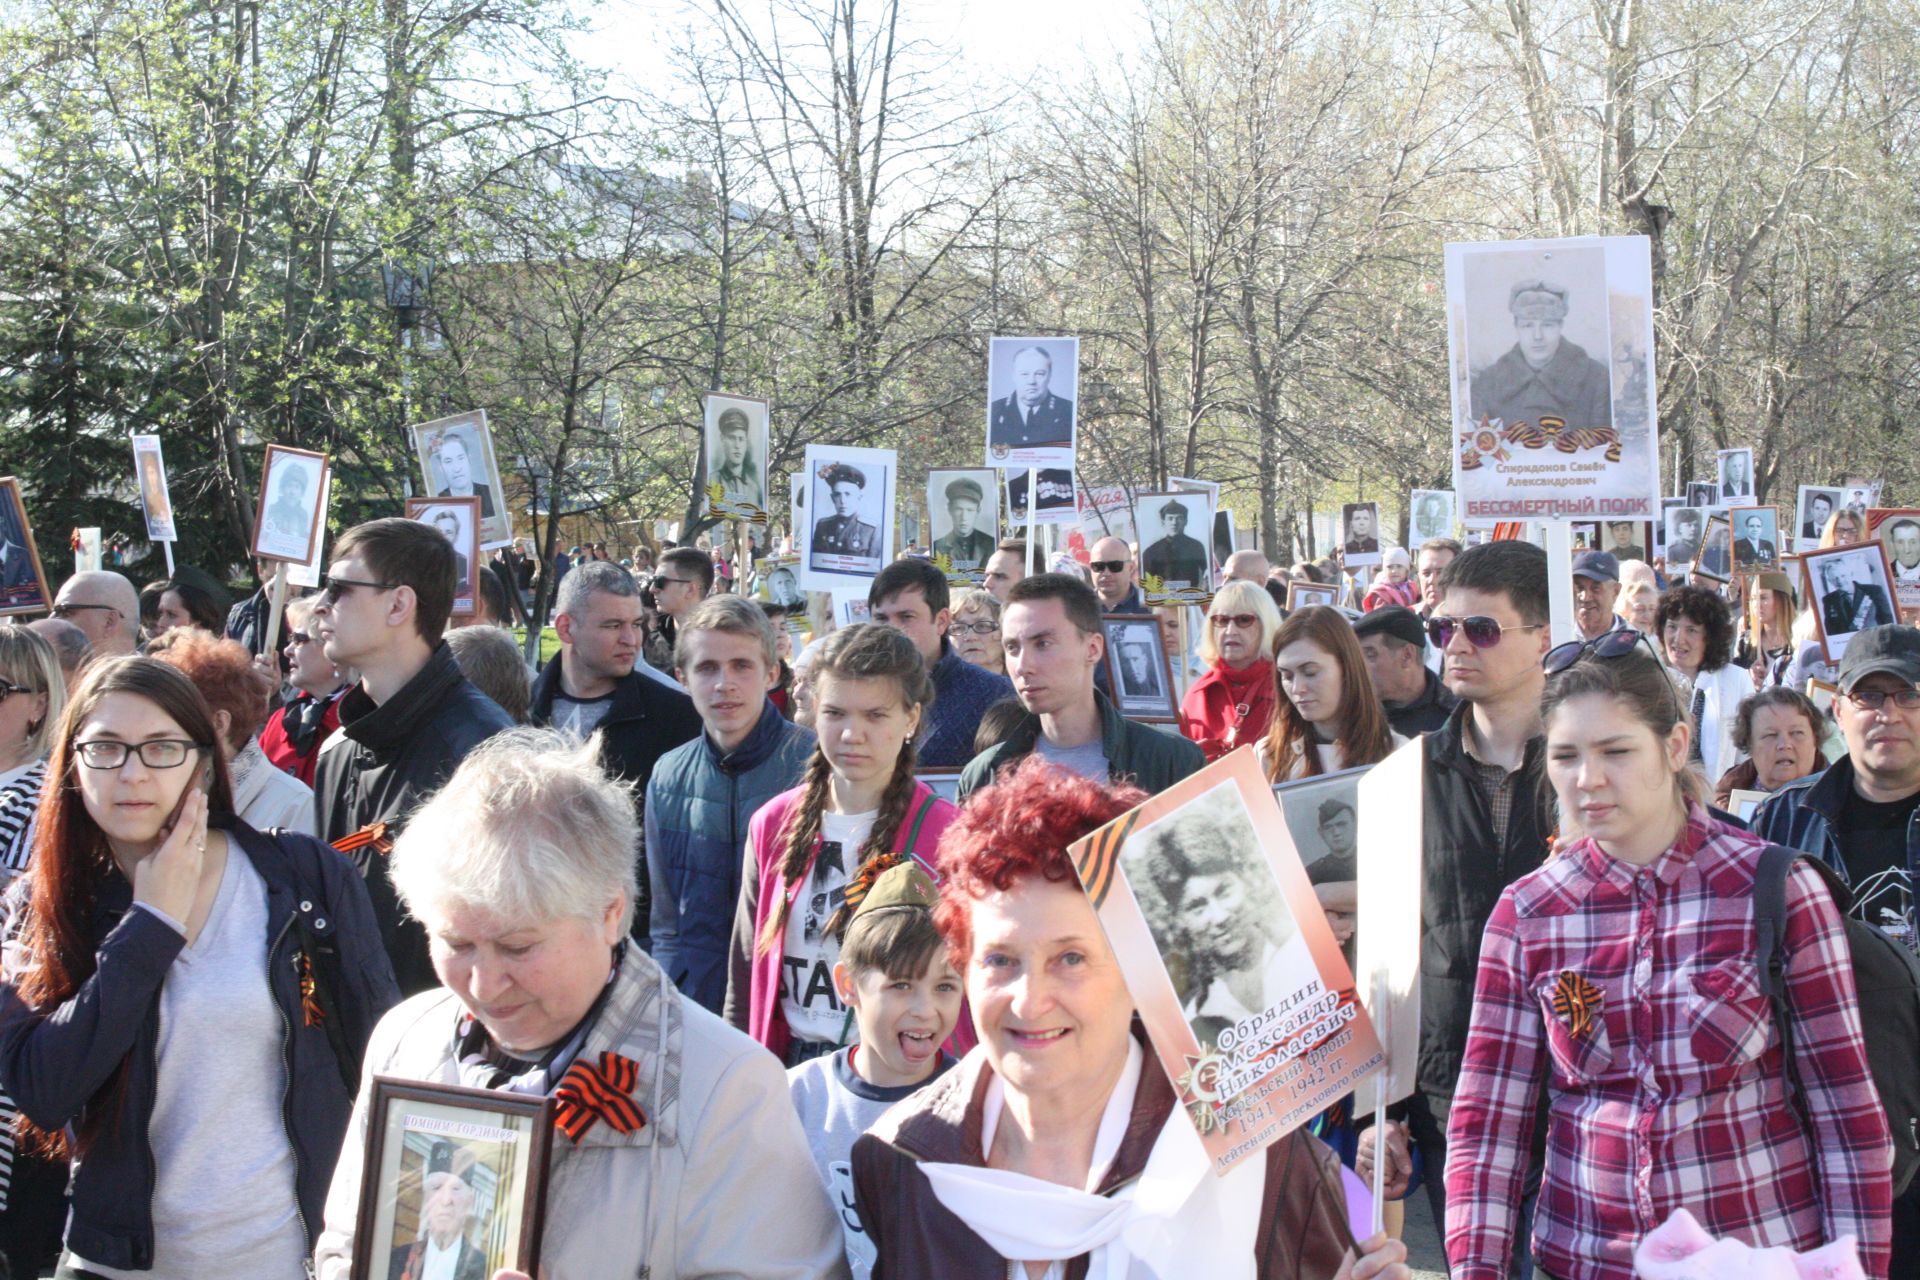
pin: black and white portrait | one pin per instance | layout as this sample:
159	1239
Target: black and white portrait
456	458
1137	668
797	507
1360	534
1537	337
1224	537
961	511
1899	533
1815	507
736	441
1852	591
1703	493
1736	477
150	469
1323	818
1171	528
1210	898
1306	595
780	583
1031	387
850	505
1667	506
1716	550
1685	525
1431	514
458	521
292	484
1756	538
1057	505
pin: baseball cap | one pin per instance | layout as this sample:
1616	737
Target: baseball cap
1598	565
1892	649
1393	620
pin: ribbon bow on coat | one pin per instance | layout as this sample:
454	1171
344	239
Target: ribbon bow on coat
588	1093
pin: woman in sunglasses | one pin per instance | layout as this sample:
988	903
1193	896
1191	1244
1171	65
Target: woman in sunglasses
184	1000
295	733
1620	976
1696	631
1232	704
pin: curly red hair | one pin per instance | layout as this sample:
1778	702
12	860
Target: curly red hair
1015	829
224	673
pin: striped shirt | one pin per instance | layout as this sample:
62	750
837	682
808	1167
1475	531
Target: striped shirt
19	802
1632	993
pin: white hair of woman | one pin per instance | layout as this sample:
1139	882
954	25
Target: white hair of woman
1239	597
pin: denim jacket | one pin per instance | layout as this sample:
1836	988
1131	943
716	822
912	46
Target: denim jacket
1803	814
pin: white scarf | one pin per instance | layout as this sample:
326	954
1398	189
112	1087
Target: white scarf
1176	1219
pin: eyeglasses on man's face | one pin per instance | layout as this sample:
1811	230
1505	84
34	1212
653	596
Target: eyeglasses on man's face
155	753
1481	631
1874	699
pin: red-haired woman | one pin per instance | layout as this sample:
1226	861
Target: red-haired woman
1023	1161
184	1000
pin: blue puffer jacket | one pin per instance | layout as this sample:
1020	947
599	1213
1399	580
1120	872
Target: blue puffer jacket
1802	815
699	802
55	1062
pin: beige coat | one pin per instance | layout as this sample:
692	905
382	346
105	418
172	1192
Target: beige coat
717	1183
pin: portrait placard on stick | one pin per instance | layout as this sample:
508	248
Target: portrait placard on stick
780	582
150	470
1849	589
1254	1020
458	520
308	574
736	435
1815	505
961	508
86	550
1431	515
456	457
1032	384
1360	535
1898	530
23	581
1736	477
1057	504
1304	595
1388	891
1756	538
1716	550
1175	566
1551	374
293	483
1139	673
850	496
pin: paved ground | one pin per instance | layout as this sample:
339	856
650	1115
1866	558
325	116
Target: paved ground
1423	1241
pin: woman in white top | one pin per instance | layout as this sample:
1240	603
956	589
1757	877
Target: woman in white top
1696	633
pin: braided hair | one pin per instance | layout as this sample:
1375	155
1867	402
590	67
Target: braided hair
866	651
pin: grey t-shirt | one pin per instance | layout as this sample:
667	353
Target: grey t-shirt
1088	760
580	715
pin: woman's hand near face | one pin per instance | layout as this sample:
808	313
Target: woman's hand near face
168	879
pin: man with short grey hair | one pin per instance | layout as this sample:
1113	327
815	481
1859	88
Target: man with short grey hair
70	645
1247	566
106	607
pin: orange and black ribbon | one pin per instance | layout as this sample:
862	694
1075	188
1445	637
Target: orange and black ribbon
375	837
862	884
604	1092
1576	1002
310	1011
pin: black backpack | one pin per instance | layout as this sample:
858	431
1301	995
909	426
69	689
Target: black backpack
1886	977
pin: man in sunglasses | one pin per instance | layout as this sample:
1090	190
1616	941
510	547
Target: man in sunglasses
1486	825
1862	816
405	727
682	582
1113	577
106	607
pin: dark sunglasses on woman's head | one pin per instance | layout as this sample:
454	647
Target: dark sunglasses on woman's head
1109	566
1614	644
1481	631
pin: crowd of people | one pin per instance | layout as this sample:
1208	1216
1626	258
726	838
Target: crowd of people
809	885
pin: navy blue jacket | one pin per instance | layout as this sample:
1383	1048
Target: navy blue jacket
54	1063
699	802
962	692
1802	815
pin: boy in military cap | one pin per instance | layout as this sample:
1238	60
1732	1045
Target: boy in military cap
844	533
1542	374
965	546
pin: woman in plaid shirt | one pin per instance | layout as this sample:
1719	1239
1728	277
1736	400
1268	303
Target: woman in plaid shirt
1621	974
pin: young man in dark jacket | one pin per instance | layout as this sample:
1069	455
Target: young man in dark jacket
703	793
404	729
1051	629
591	685
911	596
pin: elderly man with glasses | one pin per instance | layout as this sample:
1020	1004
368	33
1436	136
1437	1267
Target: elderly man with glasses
106	607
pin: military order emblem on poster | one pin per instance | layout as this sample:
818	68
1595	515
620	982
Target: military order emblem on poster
458	520
454	1181
1551	371
150	470
850	511
1032	384
1226	952
456	457
1175	565
23	581
736	480
961	508
293	484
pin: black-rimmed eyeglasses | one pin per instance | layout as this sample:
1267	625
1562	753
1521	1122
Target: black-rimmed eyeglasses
155	753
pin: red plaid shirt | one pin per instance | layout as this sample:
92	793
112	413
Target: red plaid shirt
1675	1096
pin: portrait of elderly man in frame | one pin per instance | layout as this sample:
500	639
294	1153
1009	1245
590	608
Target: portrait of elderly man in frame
443	1248
1544	374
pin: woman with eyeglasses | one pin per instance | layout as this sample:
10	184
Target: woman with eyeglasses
1620	976
184	1000
1696	634
976	630
295	733
1232	703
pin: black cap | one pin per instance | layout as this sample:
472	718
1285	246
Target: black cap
1598	565
1393	620
1892	649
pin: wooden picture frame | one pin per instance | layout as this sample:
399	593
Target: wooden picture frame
1889	526
23	579
1305	595
503	1141
286	525
466	592
1718	571
1815	568
1142	692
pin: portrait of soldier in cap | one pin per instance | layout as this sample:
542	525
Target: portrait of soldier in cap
965	544
844	533
1174	556
735	469
1030	415
1542	374
443	1251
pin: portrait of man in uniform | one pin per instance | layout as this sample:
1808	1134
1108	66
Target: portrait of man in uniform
288	515
1850	597
1543	374
1432	515
1757	547
965	544
1683	535
1621	542
1716	550
446	1205
1176	556
736	470
1362	521
844	533
1030	413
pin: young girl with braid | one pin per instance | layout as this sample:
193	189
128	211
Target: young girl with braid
814	851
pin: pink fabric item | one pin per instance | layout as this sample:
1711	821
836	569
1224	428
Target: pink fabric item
1680	1249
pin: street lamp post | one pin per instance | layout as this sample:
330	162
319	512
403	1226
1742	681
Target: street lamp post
405	282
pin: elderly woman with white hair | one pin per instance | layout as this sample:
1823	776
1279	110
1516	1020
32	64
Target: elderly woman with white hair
521	868
1232	704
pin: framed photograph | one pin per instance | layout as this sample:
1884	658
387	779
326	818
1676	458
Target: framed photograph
1586	535
308	574
850	493
1741	804
853	610
150	471
1756	538
944	783
1360	534
1302	595
736	449
1898	530
1735	469
1813	507
452	1170
961	513
1178	562
1715	560
1032	384
1702	493
1323	818
1849	589
1860	493
1685	527
1056	496
293	485
1627	539
458	520
1667	505
797	506
456	457
1138	671
23	581
1225	949
1430	515
1822	693
779	582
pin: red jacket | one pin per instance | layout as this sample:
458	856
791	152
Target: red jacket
292	740
1226	708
